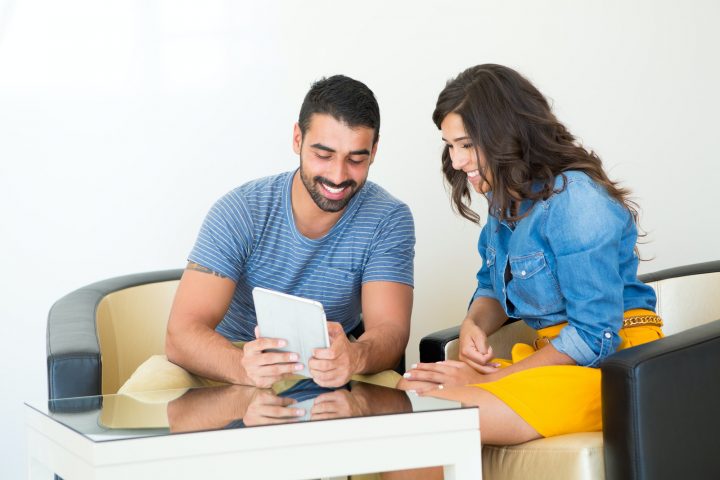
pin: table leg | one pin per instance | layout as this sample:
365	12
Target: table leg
463	471
38	471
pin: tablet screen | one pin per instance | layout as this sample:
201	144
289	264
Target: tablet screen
299	321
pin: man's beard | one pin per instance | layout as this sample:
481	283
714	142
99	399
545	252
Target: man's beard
325	204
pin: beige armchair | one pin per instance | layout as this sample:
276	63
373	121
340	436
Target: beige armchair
99	334
660	412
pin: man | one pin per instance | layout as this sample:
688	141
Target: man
322	232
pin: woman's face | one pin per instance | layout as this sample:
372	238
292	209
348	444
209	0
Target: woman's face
464	155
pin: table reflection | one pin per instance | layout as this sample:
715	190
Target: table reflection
236	406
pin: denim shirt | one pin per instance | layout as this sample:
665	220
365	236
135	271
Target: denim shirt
571	259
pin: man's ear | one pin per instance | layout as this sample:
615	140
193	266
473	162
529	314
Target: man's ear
374	150
297	138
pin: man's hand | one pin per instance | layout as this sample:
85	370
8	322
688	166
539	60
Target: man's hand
265	368
333	367
474	348
337	404
266	408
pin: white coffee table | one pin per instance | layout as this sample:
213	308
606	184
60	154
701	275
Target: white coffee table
71	444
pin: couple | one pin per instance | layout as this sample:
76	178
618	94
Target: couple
558	251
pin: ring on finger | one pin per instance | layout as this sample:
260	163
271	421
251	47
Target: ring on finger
441	386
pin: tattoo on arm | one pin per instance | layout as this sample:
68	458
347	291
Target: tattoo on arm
199	268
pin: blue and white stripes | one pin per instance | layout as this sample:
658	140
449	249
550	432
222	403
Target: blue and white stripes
249	235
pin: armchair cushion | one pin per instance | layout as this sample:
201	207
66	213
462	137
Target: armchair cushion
576	456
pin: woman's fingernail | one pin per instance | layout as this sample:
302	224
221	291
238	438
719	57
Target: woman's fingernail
414	365
299	412
298	366
406	375
412	392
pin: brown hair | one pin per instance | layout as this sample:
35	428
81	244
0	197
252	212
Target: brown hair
511	122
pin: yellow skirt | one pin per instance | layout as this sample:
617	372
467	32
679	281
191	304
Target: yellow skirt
562	399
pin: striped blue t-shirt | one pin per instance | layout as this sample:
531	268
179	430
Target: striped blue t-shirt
250	236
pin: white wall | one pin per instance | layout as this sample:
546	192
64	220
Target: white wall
121	122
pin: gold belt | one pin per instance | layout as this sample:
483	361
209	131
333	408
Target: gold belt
639	320
628	322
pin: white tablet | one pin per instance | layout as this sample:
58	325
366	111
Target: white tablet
298	320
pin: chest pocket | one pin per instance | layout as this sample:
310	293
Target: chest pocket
533	284
340	289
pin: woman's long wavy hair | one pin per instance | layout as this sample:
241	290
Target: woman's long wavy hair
511	122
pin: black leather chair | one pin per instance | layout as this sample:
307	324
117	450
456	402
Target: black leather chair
660	400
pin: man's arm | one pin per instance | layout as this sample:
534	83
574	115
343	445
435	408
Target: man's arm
209	408
386	307
201	301
200	304
386	316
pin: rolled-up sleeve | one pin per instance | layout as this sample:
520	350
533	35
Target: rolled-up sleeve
584	228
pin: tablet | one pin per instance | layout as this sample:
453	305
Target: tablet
298	320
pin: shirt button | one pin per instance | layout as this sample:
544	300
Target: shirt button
607	335
488	263
523	273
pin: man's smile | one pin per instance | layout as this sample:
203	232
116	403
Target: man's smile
333	191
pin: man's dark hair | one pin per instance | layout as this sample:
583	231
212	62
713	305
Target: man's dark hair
347	100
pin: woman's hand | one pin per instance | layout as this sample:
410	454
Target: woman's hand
415	386
474	348
449	373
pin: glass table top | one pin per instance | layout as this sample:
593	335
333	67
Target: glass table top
164	412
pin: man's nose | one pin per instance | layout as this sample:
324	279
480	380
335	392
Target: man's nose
338	171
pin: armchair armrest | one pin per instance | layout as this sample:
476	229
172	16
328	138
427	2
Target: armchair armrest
73	351
74	363
660	414
434	347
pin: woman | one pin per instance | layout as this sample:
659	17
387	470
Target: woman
558	251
